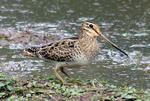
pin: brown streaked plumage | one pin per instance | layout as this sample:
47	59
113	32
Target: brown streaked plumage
72	51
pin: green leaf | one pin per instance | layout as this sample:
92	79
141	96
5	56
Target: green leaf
2	84
2	94
130	97
10	82
138	100
10	88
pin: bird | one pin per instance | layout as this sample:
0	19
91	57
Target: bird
73	51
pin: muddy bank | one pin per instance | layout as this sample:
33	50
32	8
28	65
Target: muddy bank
25	38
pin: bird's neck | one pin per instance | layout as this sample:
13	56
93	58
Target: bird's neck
87	42
84	37
88	45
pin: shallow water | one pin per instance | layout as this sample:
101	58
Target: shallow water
126	23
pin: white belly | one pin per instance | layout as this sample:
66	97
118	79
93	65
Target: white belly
81	59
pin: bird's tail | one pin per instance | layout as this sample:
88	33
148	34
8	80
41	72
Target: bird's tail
31	51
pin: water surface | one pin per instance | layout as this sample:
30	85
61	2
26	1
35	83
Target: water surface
126	23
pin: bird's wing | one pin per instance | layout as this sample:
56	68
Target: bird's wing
58	51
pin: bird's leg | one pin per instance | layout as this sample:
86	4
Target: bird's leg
56	69
67	65
62	70
60	67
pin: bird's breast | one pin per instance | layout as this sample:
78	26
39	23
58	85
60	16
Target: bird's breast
81	58
86	53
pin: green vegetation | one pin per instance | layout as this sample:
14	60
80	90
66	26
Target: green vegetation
50	88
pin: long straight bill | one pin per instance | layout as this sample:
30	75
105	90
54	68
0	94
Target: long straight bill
114	45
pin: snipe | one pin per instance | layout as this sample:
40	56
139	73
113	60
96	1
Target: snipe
72	51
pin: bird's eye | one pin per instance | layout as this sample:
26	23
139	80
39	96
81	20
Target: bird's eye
91	26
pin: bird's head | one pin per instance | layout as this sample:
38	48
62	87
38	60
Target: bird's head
90	29
93	30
